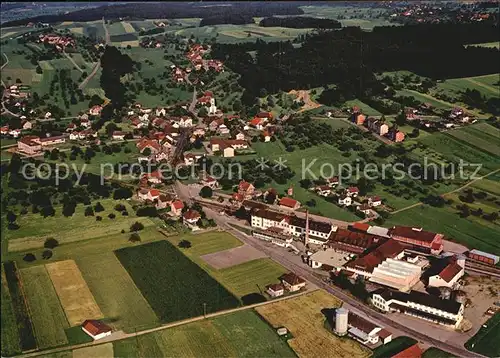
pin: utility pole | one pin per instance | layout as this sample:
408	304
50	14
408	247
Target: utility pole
204	310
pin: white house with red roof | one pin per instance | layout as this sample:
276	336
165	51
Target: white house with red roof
153	177
96	329
148	194
118	135
352	191
246	189
190	219
210	182
450	274
176	207
95	110
374	200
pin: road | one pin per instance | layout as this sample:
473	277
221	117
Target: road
72	61
292	263
107	38
90	76
448	193
116	336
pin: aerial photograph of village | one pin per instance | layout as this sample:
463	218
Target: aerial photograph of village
250	179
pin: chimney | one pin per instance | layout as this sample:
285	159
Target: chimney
306	239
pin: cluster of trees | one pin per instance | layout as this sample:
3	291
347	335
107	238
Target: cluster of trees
300	22
234	19
473	98
349	57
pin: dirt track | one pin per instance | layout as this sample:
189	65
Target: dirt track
303	95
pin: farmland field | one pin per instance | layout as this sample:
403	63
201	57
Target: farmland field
34	229
74	294
425	98
10	336
115	293
242	279
240	334
185	287
484	84
100	351
484	340
47	314
303	317
21	311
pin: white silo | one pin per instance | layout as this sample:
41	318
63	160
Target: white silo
341	321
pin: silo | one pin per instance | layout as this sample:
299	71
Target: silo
341	321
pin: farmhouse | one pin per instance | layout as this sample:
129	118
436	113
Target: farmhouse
420	305
96	329
275	290
366	332
292	282
418	238
246	189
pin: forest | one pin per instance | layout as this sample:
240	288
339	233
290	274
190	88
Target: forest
170	10
350	57
300	22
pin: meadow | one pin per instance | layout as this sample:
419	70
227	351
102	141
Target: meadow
11	343
304	318
487	85
100	351
35	229
46	312
185	288
240	334
483	341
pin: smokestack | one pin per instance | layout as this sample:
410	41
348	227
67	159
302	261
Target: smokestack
306	240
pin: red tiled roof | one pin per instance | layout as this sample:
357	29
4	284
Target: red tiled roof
333	180
95	327
389	249
361	226
411	352
191	215
154	192
264	115
178	204
450	271
289	202
292	279
383	333
275	287
353	189
244	185
413	233
237	196
255	121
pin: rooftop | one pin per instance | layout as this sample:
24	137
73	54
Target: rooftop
421	298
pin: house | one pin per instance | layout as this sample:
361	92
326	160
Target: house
95	110
264	219
163	201
152	144
267	136
418	238
96	329
4	130
450	275
15	133
190	219
117	135
30	145
332	181
420	305
358	119
265	115
364	208
240	136
153	177
52	140
210	182
352	191
176	207
395	135
85	123
26	125
275	290
71	127
289	203
148	194
318	233
345	200
160	112
292	282
223	130
228	152
246	189
258	123
323	190
374	201
377	126
366	332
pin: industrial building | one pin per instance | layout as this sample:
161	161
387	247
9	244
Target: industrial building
482	256
418	239
352	242
421	305
450	274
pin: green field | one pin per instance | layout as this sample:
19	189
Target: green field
184	288
365	109
425	98
46	312
241	334
11	343
484	340
120	301
34	228
487	85
482	136
434	352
